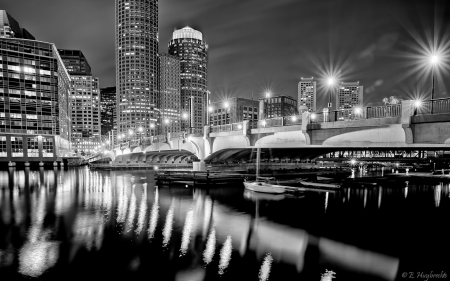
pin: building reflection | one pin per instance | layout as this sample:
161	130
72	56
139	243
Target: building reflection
81	208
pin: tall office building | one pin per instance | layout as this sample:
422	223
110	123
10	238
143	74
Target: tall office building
307	93
188	45
34	111
137	66
350	95
10	28
108	110
84	102
170	94
233	110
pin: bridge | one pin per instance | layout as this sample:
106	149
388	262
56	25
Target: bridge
422	129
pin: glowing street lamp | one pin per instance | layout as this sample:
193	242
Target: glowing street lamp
353	162
313	116
434	60
210	109
226	104
330	81
268	94
294	118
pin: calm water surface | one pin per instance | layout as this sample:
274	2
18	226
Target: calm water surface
90	225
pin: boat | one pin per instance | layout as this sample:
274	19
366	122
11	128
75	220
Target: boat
323	179
255	196
318	184
264	187
273	180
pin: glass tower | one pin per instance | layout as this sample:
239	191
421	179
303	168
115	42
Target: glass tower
188	45
307	93
34	110
137	67
170	94
84	102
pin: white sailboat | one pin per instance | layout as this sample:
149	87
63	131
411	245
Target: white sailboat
262	186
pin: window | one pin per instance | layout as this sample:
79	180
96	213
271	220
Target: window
16	147
3	152
33	147
47	147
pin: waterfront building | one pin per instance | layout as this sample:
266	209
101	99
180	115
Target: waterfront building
233	110
34	108
307	93
350	95
278	106
137	66
192	50
170	94
84	102
108	110
10	28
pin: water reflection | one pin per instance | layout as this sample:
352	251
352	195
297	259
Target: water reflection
210	249
167	231
225	255
52	217
264	272
154	214
186	236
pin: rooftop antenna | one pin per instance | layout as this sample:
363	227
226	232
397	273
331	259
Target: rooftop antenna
252	95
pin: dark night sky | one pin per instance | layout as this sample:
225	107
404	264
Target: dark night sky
261	44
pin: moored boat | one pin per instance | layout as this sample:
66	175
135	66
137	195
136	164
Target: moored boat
264	187
318	184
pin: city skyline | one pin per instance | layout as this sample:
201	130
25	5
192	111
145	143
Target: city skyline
374	45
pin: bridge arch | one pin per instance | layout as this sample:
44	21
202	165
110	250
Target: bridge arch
282	139
137	149
230	142
126	151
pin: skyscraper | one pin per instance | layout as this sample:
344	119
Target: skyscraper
170	94
137	66
10	28
108	109
84	102
188	45
233	110
350	95
307	93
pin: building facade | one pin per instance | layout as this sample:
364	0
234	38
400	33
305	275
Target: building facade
137	67
349	96
170	94
84	102
279	106
307	93
108	110
234	110
188	45
10	28
34	108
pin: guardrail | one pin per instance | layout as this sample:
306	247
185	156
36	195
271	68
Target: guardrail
227	127
437	106
392	110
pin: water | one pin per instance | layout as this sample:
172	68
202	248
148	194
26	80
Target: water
87	225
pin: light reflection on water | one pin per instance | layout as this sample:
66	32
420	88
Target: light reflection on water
82	208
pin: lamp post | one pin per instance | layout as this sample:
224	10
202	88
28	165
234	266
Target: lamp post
434	61
330	83
226	104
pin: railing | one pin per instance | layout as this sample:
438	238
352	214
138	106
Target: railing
227	128
392	110
292	120
437	106
272	122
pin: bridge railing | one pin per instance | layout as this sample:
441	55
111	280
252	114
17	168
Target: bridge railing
227	127
436	106
272	122
292	120
391	110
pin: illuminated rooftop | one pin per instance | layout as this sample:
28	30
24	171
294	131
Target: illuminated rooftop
187	32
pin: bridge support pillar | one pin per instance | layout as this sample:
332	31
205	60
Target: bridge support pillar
306	119
407	112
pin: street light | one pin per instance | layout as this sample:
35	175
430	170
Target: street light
330	81
267	94
434	60
294	118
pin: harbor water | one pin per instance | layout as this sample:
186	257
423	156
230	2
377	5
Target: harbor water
97	225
